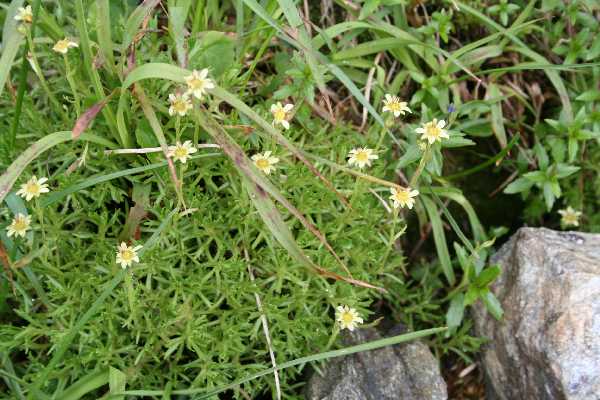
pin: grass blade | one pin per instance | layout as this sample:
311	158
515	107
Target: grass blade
494	97
105	42
11	41
85	385
11	174
260	187
439	237
376	344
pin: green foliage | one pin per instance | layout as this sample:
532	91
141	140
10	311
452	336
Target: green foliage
515	83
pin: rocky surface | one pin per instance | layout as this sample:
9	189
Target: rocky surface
548	346
406	371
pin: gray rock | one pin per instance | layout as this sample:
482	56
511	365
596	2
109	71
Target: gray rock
406	371
548	346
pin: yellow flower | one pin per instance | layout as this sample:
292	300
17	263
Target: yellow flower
265	162
181	152
19	226
395	106
62	46
198	83
432	131
280	114
570	216
180	104
33	188
361	157
127	255
24	15
403	196
347	317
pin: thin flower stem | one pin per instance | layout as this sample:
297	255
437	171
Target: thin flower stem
424	160
265	325
40	215
155	149
177	127
38	72
69	74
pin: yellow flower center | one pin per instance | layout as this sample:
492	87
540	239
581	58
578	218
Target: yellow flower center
279	114
347	317
402	196
20	224
196	83
570	218
27	17
432	130
362	156
32	188
394	106
180	152
61	45
262	163
127	255
180	105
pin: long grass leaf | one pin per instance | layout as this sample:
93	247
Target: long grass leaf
103	28
11	41
526	51
177	74
376	344
8	178
85	385
260	189
439	238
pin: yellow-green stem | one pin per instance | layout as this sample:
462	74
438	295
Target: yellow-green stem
38	72
424	160
69	73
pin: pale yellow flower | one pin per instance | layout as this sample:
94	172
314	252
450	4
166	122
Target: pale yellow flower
19	226
570	216
198	83
127	255
63	46
403	197
180	104
280	114
34	187
361	157
395	106
24	14
433	131
347	317
265	162
181	152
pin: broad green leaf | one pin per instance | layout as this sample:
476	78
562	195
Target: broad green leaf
487	276
518	186
456	311
472	295
492	304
